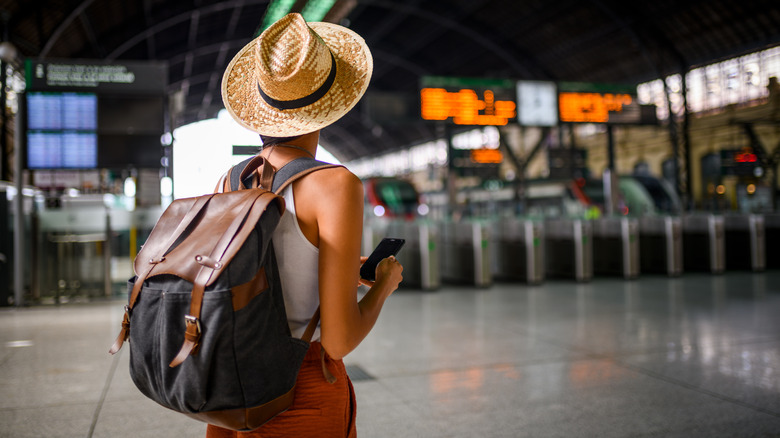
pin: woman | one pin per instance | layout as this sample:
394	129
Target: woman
287	84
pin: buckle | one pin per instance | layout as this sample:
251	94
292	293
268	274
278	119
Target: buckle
189	319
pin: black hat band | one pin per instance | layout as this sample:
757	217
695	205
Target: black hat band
305	100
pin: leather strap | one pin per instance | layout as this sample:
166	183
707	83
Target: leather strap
191	214
124	333
267	173
196	208
329	377
307	335
210	264
220	188
234	175
248	171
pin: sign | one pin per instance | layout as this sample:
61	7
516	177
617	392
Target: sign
476	152
391	108
741	162
468	101
585	102
245	149
487	156
598	108
93	76
537	103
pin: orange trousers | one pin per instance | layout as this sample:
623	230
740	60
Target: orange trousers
320	409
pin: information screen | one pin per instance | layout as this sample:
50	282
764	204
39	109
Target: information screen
585	102
468	101
61	130
598	108
61	111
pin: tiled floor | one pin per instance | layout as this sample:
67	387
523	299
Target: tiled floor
696	356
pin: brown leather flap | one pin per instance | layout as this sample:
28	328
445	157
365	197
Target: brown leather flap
206	229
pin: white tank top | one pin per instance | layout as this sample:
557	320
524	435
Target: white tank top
298	262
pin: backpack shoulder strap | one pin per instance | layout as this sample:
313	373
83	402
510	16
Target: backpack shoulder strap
281	179
235	175
296	169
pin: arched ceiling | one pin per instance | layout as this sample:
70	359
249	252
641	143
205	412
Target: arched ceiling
565	40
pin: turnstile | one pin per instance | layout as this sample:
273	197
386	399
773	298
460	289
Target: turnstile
420	254
661	245
6	252
568	248
772	240
465	253
616	247
704	244
518	250
744	236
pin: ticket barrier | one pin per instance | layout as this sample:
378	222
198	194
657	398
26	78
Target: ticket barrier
616	247
568	248
465	253
518	250
75	253
745	245
772	240
661	245
704	244
6	251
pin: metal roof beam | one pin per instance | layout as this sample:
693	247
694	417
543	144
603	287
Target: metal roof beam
511	59
90	32
193	33
151	47
178	19
64	25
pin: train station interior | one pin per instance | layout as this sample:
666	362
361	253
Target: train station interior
589	194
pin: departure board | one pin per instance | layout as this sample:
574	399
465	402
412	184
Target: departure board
61	130
468	101
61	111
586	102
598	108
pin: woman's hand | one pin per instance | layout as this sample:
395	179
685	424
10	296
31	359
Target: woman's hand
388	273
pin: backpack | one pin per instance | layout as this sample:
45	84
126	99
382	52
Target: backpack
205	317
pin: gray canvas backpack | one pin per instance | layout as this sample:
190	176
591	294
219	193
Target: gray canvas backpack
205	318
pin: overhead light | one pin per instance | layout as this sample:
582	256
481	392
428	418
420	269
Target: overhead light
276	10
315	10
8	52
312	10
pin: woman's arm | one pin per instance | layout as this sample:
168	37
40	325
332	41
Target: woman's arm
335	196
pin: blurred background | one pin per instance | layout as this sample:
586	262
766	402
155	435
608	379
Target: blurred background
522	140
589	191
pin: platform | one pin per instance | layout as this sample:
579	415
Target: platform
690	356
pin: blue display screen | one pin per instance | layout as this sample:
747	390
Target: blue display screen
61	130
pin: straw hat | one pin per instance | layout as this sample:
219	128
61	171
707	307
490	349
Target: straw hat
296	78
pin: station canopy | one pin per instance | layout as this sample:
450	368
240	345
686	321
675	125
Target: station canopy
600	41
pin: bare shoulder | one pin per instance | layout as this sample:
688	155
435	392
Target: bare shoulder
329	192
335	182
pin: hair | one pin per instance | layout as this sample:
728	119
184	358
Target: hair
273	141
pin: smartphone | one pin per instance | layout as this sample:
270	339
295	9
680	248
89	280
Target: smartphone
386	248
